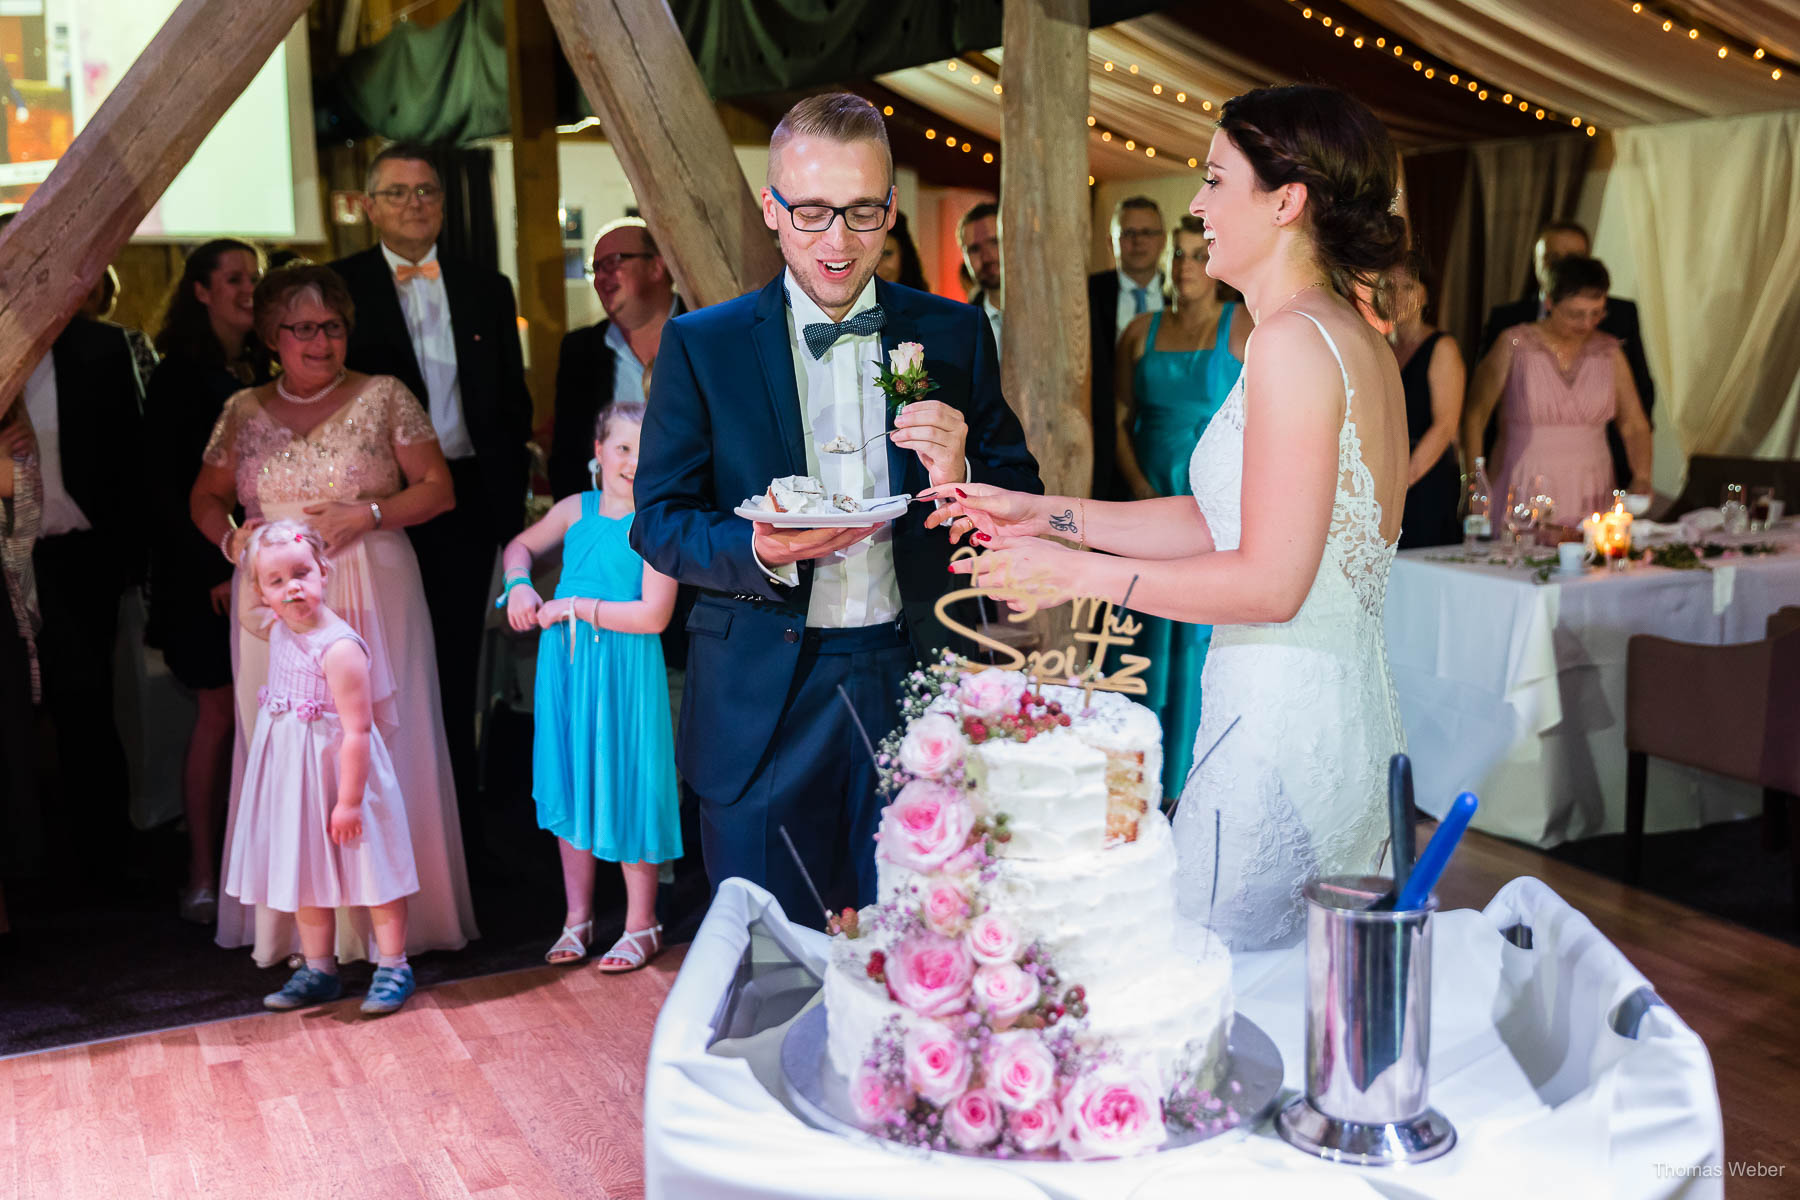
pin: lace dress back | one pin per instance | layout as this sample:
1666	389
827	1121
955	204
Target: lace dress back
1297	790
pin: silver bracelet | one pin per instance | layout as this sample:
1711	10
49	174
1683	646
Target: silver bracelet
225	545
376	509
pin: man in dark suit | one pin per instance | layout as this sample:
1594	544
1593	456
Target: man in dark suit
799	635
86	402
1136	285
978	233
601	363
447	329
1558	240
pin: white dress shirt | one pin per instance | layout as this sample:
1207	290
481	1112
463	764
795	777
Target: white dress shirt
1153	300
839	398
628	369
993	316
61	513
427	308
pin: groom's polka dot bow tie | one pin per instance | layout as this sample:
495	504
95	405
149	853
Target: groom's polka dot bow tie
821	335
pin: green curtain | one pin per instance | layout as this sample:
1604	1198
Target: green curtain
448	83
443	85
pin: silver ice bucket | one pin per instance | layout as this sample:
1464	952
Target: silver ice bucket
1368	1030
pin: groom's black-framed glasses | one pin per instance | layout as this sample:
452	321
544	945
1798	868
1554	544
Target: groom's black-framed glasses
817	218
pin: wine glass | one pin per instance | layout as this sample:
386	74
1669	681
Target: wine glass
1521	517
1762	501
1734	513
1543	505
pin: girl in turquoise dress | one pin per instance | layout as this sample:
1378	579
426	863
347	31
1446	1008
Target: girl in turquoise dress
1174	375
603	760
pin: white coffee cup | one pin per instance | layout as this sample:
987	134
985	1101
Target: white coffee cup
1571	557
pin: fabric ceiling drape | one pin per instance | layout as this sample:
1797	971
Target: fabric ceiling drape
1475	212
1700	223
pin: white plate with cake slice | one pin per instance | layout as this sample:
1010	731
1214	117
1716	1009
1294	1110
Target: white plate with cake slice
802	502
873	512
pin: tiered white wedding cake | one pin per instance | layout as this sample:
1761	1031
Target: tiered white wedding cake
1016	988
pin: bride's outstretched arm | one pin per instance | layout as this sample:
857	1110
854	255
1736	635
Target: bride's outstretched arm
1166	527
1294	409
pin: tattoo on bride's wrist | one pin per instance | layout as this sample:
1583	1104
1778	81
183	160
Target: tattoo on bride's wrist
1064	521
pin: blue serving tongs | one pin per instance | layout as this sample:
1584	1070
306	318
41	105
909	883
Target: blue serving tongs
1431	864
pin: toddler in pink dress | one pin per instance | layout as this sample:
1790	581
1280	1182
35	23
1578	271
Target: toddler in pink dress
321	822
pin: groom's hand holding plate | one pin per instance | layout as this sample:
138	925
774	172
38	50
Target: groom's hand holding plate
777	547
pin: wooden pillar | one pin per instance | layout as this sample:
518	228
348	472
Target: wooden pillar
648	94
537	192
1045	364
198	63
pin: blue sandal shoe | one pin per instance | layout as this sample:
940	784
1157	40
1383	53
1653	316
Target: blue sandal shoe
390	988
306	986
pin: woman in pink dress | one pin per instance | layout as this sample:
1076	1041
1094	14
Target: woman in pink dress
1559	380
355	457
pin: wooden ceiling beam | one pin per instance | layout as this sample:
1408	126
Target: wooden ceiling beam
51	256
641	79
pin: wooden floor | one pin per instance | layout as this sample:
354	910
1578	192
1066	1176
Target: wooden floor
530	1085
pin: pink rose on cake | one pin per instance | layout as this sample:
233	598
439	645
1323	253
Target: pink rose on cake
937	1062
1035	1128
992	940
1020	1069
991	693
930	974
932	746
876	1101
1111	1113
946	908
973	1122
1005	993
925	825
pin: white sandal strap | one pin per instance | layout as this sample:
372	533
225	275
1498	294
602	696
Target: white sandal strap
573	940
630	949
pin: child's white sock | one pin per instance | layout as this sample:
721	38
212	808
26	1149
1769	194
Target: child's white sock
391	960
328	964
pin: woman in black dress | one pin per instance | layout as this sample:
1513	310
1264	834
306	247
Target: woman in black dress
1431	370
208	353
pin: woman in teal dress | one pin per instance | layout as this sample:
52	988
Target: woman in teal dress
603	760
1176	368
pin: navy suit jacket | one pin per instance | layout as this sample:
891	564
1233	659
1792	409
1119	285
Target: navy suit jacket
724	419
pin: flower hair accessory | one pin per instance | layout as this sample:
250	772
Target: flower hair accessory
904	380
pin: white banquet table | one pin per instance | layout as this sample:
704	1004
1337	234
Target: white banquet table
1515	689
1561	1072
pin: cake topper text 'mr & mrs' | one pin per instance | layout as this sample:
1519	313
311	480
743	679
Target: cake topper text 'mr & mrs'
1097	623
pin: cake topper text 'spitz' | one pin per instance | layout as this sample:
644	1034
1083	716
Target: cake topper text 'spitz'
1098	623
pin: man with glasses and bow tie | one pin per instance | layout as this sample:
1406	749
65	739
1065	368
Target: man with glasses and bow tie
448	329
801	636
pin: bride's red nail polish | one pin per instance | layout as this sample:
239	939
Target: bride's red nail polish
962	493
982	537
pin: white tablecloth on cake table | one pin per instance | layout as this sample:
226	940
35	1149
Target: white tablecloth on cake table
1515	690
1547	1096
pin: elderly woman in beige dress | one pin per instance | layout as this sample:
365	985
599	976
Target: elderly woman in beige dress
355	457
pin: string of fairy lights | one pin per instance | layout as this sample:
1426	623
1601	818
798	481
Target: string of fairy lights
1709	40
1431	67
1725	48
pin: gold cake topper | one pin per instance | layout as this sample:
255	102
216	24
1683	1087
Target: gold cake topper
1098	623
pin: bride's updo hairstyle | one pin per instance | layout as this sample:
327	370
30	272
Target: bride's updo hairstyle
1332	143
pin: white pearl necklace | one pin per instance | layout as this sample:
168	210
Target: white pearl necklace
281	390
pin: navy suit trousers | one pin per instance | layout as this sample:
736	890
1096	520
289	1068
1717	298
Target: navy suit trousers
817	777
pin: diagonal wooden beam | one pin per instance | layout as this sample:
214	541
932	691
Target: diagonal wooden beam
638	74
1043	213
51	256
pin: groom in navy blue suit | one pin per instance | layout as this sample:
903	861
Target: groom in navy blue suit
799	635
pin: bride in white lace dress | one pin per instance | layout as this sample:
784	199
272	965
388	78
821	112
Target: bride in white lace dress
1285	546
